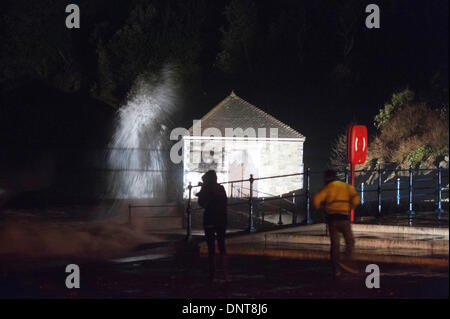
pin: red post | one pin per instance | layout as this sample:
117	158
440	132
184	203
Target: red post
356	152
352	179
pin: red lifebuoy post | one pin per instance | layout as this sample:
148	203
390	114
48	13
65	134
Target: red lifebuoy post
356	151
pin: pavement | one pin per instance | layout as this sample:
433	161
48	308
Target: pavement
287	263
376	243
259	277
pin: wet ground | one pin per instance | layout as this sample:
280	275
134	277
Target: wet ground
156	276
155	272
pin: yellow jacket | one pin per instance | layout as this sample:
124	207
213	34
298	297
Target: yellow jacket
338	198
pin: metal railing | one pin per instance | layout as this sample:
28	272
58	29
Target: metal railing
271	197
413	191
364	190
251	200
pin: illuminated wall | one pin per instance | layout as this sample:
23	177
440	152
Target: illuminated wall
237	159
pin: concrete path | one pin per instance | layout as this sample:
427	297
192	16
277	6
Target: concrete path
375	243
434	240
252	277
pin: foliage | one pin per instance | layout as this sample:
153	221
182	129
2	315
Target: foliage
398	100
32	47
153	35
410	134
420	154
305	48
338	153
415	135
237	42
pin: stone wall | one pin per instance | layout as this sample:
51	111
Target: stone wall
237	159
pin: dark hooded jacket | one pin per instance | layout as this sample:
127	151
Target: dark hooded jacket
213	198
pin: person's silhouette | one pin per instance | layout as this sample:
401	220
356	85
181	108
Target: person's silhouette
213	198
338	199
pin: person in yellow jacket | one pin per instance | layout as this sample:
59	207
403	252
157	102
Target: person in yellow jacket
337	199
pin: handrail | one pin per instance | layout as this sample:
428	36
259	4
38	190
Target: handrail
411	187
318	172
274	196
255	179
257	191
412	193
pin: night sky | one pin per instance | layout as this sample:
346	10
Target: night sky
312	64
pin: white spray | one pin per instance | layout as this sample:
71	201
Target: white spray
138	154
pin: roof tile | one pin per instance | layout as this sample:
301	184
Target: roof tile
234	112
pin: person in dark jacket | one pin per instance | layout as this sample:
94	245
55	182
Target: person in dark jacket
213	198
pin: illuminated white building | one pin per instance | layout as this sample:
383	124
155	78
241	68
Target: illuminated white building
237	139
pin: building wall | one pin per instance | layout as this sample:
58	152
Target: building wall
236	160
280	158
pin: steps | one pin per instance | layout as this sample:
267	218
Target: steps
321	254
435	241
373	243
431	245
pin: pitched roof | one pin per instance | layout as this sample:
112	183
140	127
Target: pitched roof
234	112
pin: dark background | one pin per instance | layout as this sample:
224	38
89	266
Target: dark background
311	64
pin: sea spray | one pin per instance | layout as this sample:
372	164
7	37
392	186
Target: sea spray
138	155
32	235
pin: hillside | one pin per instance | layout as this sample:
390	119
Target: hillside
409	134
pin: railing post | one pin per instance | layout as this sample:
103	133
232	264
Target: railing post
262	211
251	227
280	219
410	211
439	191
379	190
308	199
362	193
294	212
398	191
189	214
